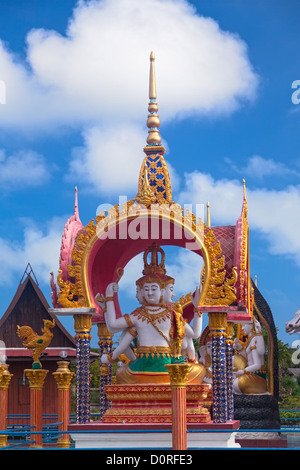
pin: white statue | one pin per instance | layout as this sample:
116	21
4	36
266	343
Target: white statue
161	330
248	364
205	359
293	326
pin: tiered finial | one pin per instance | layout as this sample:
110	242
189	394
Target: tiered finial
153	121
154	180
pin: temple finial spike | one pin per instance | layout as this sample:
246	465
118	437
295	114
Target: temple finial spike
152	83
153	121
208	214
245	204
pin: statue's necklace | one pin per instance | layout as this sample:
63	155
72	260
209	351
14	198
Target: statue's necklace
146	314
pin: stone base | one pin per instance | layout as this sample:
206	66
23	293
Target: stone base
261	441
151	403
97	435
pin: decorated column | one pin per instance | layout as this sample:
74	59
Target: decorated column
217	326
5	378
229	375
178	374
36	379
83	326
105	346
63	377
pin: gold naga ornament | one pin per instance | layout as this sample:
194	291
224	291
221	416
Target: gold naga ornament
37	343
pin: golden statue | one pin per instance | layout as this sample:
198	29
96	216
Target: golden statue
32	340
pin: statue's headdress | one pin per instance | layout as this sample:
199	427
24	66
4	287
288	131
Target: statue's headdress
155	271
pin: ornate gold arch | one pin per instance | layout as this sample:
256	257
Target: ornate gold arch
217	289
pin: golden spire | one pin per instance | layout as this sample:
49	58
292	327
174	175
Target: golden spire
154	180
245	204
153	121
208	214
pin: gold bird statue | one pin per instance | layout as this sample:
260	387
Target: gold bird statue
31	340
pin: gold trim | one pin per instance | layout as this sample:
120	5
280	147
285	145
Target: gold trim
141	393
63	375
158	411
36	378
128	320
217	322
161	190
178	374
5	377
221	290
153	351
82	323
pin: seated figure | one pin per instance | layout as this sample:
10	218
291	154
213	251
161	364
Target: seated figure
205	359
248	365
158	325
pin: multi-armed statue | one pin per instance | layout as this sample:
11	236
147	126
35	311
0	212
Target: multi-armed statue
162	332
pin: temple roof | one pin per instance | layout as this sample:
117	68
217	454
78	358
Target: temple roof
72	228
225	234
29	307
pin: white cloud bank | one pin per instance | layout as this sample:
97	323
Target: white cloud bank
40	247
273	214
95	77
23	169
100	66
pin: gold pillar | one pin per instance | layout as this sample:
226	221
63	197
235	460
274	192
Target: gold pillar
36	379
178	375
5	378
63	377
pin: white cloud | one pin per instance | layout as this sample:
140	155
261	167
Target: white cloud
100	67
109	159
98	71
185	268
95	77
23	169
259	167
40	247
274	214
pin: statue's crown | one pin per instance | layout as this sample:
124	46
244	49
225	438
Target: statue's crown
155	271
154	267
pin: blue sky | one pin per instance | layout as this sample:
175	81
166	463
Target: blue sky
76	95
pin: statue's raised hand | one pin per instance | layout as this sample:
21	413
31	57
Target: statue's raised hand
195	296
100	300
111	289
